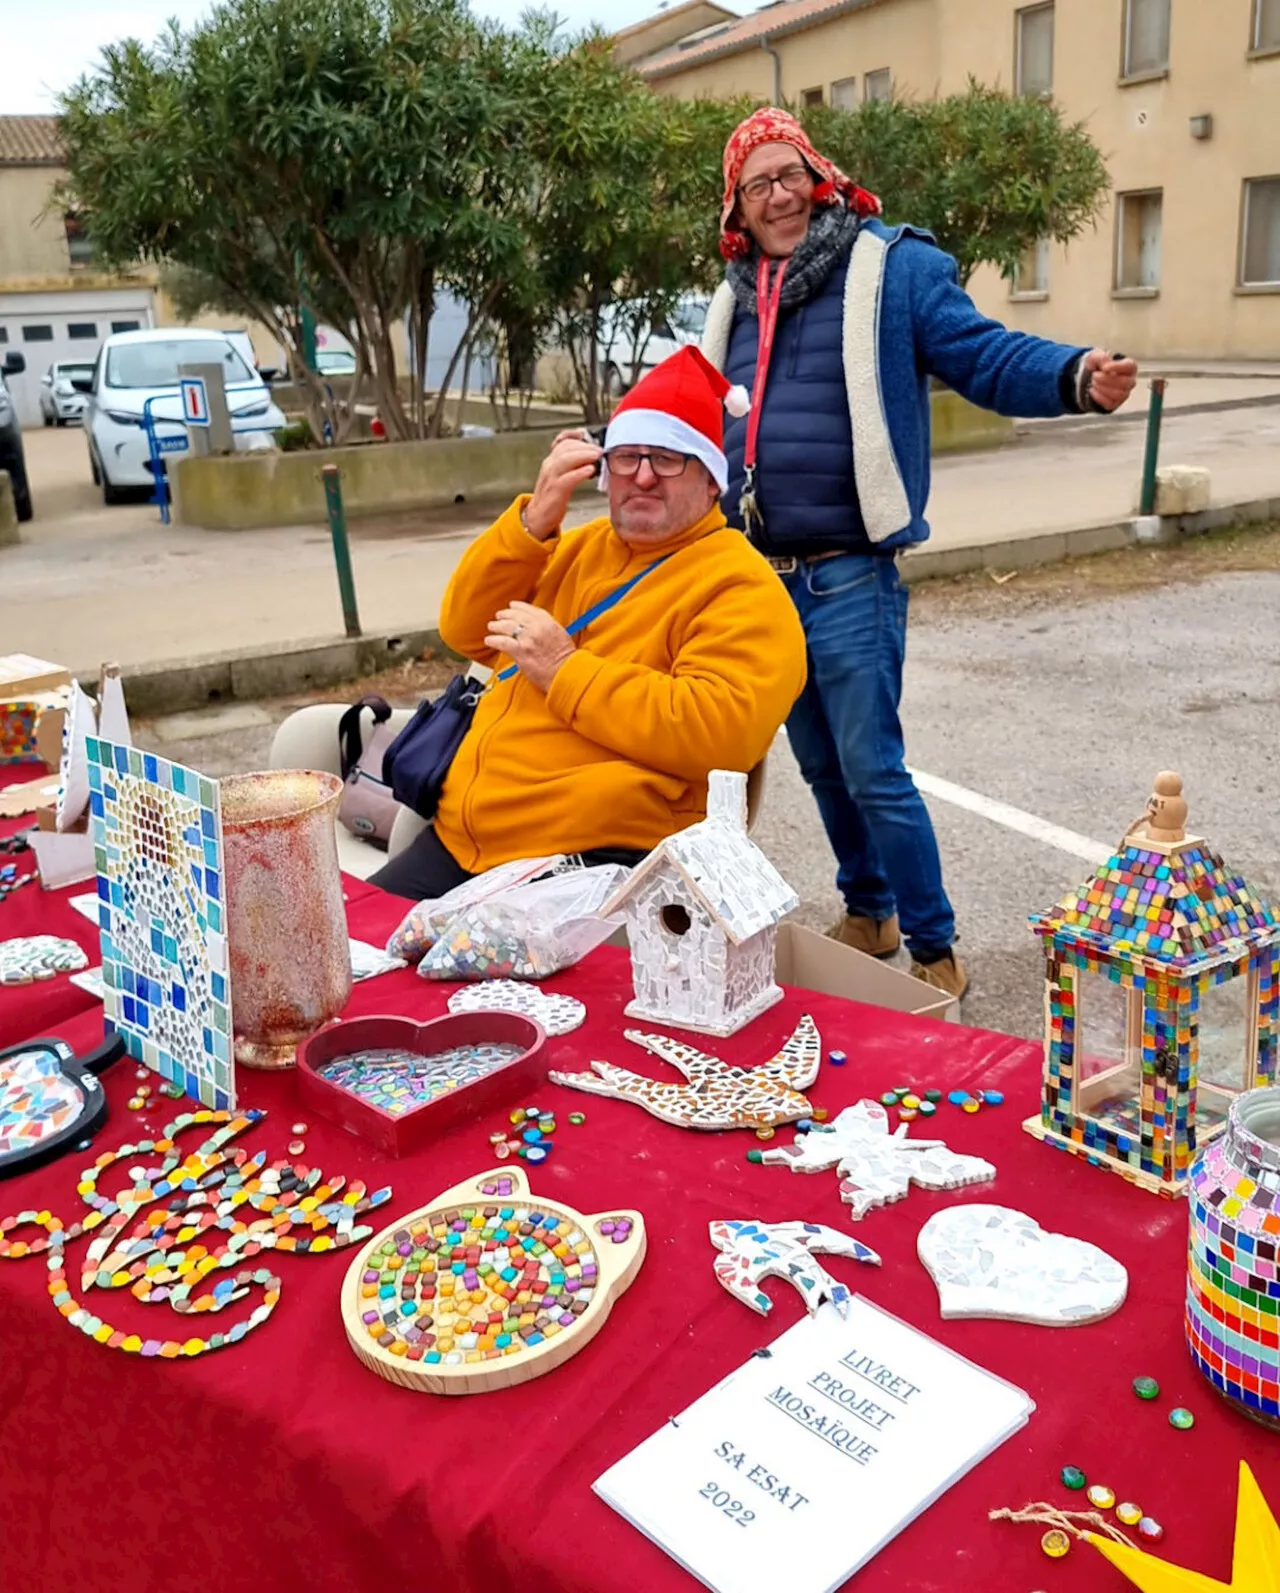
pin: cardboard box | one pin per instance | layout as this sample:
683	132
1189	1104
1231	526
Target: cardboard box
20	675
30	796
810	961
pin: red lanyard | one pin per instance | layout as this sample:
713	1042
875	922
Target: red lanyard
768	301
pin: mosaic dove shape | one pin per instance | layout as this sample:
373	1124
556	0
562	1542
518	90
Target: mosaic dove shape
757	1250
716	1095
874	1166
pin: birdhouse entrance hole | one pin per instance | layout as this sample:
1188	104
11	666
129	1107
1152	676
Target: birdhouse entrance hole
676	920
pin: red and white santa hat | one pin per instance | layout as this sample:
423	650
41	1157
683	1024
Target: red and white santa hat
680	405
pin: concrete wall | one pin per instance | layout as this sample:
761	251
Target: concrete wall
31	244
248	491
1142	129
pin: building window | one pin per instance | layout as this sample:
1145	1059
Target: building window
1260	251
1266	24
844	94
79	244
124	326
1032	273
1033	50
1138	230
82	329
37	334
1146	37
4	334
811	97
879	85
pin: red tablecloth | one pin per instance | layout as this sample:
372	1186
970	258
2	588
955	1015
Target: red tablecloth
283	1463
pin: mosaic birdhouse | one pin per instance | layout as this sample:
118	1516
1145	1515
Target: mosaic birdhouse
1162	989
702	914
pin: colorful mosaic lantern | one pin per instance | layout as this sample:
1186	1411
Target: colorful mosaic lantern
1161	1001
1233	1269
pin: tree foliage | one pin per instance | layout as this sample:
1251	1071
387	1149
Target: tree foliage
361	156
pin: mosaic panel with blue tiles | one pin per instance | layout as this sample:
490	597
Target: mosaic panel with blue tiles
157	837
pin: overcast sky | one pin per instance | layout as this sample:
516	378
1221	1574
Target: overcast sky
45	47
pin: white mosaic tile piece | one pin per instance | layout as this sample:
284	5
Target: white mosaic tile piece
874	1166
989	1261
753	1251
33	957
367	961
556	1014
92	981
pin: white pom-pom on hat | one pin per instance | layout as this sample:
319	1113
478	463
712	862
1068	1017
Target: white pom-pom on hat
737	401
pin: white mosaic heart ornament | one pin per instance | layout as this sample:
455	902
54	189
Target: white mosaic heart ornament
556	1014
989	1261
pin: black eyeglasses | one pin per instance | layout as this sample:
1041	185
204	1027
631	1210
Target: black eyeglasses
662	461
792	178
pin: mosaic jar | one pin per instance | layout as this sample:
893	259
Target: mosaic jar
1233	1280
286	923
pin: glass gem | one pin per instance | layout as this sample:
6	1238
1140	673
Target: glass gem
1056	1544
299	1128
1182	1419
820	1114
911	1102
1150	1529
755	1155
971	1105
928	1108
1129	1513
1073	1478
765	1133
1146	1388
888	1099
958	1097
837	1059
933	1095
577	1118
992	1098
296	1147
1101	1497
906	1114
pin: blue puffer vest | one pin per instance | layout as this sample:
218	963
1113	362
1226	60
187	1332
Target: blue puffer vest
804	469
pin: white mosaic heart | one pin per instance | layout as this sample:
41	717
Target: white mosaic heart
556	1014
989	1261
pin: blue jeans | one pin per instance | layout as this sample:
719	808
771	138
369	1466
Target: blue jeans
847	739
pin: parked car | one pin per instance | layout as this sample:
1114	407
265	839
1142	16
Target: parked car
12	457
627	357
59	400
133	367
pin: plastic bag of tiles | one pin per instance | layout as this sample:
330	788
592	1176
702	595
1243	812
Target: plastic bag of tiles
422	925
529	931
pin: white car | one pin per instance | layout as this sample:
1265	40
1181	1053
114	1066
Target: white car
626	332
133	367
59	400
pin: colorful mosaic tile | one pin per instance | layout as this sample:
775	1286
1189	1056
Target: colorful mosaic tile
157	838
18	721
1233	1274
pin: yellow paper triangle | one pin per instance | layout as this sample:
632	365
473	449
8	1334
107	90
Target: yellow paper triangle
1255	1564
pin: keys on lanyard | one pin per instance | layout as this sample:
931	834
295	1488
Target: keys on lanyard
768	303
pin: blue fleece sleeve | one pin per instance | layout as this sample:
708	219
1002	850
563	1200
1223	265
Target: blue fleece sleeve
1010	372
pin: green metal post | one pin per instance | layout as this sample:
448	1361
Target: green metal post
1147	500
341	548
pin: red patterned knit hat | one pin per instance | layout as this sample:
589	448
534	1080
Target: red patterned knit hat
769	125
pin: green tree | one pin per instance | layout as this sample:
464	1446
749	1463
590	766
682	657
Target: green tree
988	173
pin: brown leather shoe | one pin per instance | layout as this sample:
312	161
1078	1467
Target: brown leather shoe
877	937
947	974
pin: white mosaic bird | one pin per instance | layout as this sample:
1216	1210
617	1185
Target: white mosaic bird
717	1095
874	1166
756	1250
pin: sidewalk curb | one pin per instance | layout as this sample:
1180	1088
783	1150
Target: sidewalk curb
1051	547
249	674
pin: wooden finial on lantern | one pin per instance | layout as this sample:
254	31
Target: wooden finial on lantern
1167	810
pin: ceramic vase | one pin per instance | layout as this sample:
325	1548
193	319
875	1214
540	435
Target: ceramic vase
286	923
1233	1280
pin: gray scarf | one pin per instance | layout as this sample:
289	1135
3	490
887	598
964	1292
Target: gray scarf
829	239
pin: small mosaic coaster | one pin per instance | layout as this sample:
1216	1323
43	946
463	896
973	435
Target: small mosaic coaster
556	1014
398	1081
32	957
157	837
37	1100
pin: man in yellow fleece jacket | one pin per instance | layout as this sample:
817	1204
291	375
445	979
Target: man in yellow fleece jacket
601	744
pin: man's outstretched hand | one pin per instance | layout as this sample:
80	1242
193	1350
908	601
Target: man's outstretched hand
1113	379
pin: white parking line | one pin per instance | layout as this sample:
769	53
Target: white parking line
1036	829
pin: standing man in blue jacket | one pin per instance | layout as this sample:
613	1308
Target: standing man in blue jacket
835	323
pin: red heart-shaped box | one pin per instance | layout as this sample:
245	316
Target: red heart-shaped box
398	1135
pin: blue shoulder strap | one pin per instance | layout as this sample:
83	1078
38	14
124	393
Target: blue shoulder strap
594	613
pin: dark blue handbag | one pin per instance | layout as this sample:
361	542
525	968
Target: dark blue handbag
417	761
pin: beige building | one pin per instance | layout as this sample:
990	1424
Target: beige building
1181	96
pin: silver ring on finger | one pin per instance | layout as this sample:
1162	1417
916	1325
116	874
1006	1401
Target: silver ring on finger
515	635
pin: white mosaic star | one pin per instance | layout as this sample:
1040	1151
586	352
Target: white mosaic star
874	1166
